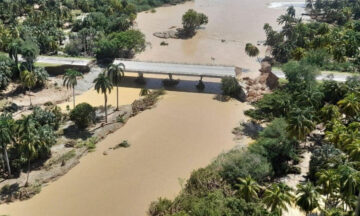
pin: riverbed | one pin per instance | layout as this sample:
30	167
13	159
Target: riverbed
185	131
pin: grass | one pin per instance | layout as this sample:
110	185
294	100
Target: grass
90	143
76	12
40	64
62	159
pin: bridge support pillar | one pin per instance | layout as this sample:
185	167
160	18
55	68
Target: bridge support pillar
141	75
170	76
200	86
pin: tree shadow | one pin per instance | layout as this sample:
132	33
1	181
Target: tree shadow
73	132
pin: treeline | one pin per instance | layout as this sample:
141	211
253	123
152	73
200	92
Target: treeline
242	182
328	44
76	27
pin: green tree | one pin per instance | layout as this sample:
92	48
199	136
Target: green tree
307	197
28	79
14	49
350	105
6	136
83	115
248	188
251	50
328	179
192	20
300	123
29	51
103	85
29	140
116	72
350	183
277	197
70	81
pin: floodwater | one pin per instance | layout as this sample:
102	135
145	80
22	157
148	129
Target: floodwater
185	131
232	24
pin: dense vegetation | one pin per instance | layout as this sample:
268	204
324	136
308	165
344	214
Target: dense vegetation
27	139
76	27
329	41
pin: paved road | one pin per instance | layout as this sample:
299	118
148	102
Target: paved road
324	76
61	60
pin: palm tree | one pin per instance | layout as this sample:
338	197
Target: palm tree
300	123
103	85
307	197
14	50
354	150
277	197
28	79
350	105
6	136
291	11
116	72
350	182
251	50
248	188
70	80
29	140
329	182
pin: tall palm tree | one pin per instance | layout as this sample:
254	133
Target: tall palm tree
70	80
116	72
350	105
248	188
307	197
29	140
6	136
277	197
28	79
103	85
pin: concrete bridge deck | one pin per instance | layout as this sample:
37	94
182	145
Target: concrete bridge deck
216	71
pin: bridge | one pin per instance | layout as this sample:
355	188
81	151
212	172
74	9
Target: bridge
181	69
143	67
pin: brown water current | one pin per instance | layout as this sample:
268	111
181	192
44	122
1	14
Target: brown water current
185	131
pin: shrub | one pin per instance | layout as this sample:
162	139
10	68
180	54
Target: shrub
230	87
275	144
73	48
46	117
324	157
205	180
123	144
83	115
160	207
239	163
90	143
271	106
